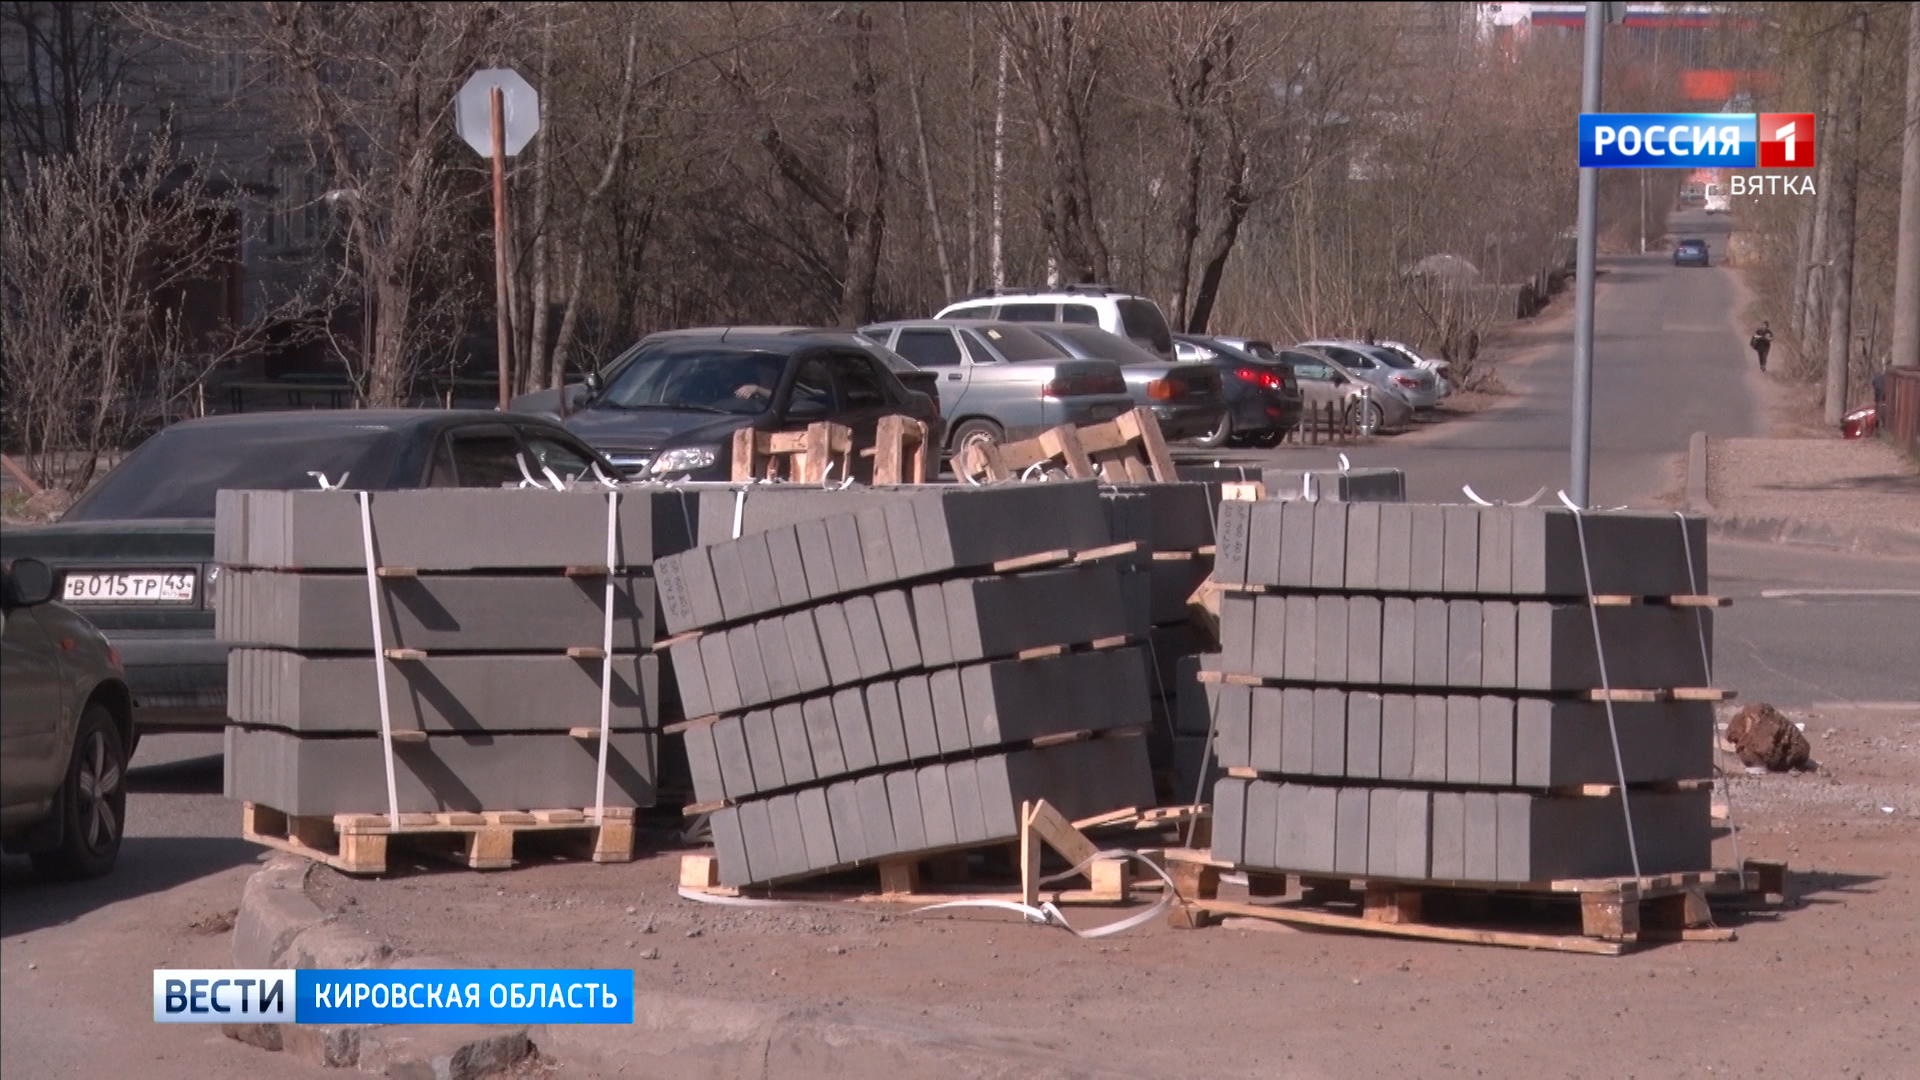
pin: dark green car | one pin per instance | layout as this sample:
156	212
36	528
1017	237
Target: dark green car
66	724
135	553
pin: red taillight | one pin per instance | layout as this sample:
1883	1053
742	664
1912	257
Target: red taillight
1406	381
1084	385
1266	380
113	657
1165	390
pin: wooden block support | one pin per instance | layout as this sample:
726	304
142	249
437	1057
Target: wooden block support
806	455
699	872
1386	904
899	877
901	452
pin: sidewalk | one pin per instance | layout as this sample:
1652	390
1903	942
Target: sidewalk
1855	495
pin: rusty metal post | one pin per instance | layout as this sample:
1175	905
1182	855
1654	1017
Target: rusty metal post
497	101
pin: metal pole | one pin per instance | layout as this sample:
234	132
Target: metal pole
1593	27
496	100
1906	264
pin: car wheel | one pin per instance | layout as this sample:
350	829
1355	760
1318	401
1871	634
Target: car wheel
1221	434
1374	419
1267	440
92	803
976	432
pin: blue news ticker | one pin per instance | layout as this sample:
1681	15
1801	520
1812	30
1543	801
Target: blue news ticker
395	996
1668	140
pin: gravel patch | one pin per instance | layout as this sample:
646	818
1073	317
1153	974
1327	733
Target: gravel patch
1858	482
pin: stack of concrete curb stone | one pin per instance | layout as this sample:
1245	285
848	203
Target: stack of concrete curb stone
880	673
492	606
1324	485
1409	691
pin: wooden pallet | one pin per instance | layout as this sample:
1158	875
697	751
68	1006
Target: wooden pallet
1681	693
357	843
903	452
799	456
1616	914
1127	449
945	873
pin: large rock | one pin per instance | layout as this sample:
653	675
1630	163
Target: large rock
1761	736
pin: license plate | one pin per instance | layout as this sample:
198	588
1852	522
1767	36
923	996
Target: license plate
1105	412
130	587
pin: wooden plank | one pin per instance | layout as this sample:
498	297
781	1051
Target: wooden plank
585	652
1111	878
1461	935
1063	442
745	455
679	726
696	809
1102	644
699	872
1385	904
1152	444
1060	835
1703	693
406	654
1127	547
587	571
1695	601
1061	739
1039	651
413	736
1029	562
395	572
584	734
1244	491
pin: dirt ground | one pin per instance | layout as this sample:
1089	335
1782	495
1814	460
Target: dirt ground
1823	987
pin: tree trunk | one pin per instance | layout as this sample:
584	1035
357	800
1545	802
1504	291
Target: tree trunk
926	166
1906	271
556	374
539	360
996	261
1847	181
973	152
1239	201
866	224
1187	225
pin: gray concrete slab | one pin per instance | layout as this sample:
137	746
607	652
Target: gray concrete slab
1231	549
999	616
816	828
1017	700
1267	728
876	816
1173	584
1363	547
843	810
1180	514
949	711
729	576
1549	838
730	847
1647	647
1447	850
1265	535
809	659
1411	835
690	678
1463	739
776	658
437	613
763	751
1632	553
876	545
789	568
1238	628
1365	637
703	764
1383	835
883	717
1329	732
917	715
869	640
1396	737
1466	657
1499	643
789	835
723	685
275	688
1320	809
1230	819
1496	740
897	628
1350	834
1265	823
966	527
903	798
930	618
1269	637
749	669
1460	554
1398	634
816	554
756	569
936	806
1330	637
1194	770
1495	572
1329	545
796	750
836	643
1565	743
1428	576
849	554
823	737
963	786
1233	744
1292	834
1363	734
1430	738
1296	545
903	539
1483	836
345	775
1297	730
856	737
1395	570
1303	628
1430	652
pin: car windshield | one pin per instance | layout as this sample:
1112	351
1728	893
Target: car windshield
1692	245
701	377
1101	345
177	473
1142	321
1018	343
1389	357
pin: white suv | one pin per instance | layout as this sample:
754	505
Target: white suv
1112	310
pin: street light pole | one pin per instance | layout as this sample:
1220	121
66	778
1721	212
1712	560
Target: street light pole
500	236
1592	28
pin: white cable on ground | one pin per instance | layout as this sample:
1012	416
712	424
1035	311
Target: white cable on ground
606	661
739	510
379	656
1706	667
1049	914
1606	688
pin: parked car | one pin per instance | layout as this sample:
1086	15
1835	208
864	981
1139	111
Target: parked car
1185	398
1385	369
135	552
1323	379
1442	369
672	410
547	402
68	731
1124	314
1691	253
1003	381
1262	396
1254	347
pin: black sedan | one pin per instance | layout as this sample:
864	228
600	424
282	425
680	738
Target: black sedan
672	410
135	553
1262	396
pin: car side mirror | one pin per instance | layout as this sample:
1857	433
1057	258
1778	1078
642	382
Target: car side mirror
29	583
1337	379
594	383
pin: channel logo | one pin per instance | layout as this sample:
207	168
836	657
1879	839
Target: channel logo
411	996
1696	141
182	996
1786	141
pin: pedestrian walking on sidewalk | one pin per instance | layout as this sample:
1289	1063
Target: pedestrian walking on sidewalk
1762	342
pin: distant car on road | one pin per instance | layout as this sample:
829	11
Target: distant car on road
1185	398
1690	253
1262	396
68	731
1442	369
1387	370
1323	380
672	410
1002	381
135	553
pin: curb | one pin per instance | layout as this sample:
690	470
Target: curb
1697	501
279	926
1865	540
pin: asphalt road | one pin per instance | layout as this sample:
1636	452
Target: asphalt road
76	960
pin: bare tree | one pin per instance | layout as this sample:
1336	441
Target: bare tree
1057	50
1846	201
